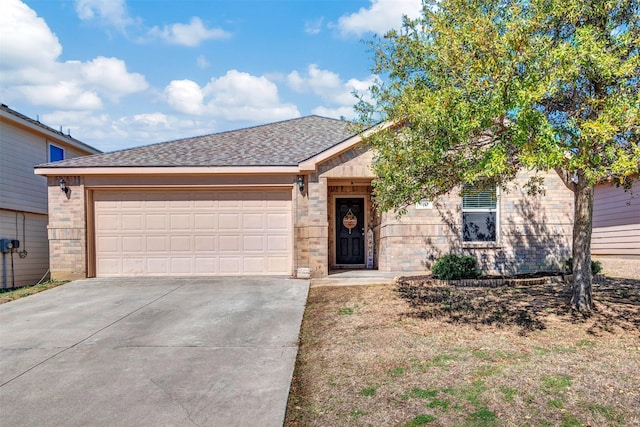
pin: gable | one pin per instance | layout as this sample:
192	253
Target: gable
354	163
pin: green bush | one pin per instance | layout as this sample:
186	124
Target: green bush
453	267
596	266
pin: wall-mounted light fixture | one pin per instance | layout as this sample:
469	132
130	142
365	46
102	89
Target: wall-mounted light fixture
63	186
300	181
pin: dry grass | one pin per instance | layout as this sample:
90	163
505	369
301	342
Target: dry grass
412	355
7	295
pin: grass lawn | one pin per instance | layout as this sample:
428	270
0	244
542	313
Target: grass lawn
413	355
7	295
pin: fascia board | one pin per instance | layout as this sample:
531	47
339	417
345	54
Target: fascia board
238	170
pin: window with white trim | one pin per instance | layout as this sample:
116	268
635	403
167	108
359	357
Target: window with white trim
55	153
479	214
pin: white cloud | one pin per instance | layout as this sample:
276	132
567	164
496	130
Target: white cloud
336	113
65	94
202	62
25	38
30	69
234	96
185	96
110	77
331	89
108	134
109	12
380	17
191	34
313	27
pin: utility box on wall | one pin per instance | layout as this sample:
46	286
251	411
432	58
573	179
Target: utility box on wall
9	245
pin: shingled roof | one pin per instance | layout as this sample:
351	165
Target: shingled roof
286	143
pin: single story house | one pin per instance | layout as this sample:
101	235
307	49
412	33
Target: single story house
290	198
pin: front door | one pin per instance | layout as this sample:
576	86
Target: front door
350	231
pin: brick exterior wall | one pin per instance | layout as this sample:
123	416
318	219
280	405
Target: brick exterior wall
67	229
313	216
534	232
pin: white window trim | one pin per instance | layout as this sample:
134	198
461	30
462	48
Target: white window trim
51	144
496	211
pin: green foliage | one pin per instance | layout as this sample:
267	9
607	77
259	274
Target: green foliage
453	267
596	266
474	91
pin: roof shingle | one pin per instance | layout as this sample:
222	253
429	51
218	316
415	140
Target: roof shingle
286	143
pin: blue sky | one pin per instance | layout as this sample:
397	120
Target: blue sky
123	73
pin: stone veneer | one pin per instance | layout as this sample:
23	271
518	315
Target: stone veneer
534	231
534	234
67	229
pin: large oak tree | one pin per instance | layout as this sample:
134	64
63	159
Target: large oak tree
478	90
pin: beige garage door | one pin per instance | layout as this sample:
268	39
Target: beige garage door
186	233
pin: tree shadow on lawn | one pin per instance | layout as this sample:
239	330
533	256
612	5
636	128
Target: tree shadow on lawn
527	307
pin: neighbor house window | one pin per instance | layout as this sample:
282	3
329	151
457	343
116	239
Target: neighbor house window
479	214
55	153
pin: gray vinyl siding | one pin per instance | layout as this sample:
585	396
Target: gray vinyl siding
30	269
616	221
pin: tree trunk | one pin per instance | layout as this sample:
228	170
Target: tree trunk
583	221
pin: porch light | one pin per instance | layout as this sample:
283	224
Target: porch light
63	186
300	182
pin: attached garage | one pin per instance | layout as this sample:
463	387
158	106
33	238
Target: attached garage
193	232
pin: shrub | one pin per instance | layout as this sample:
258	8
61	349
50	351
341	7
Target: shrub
596	266
453	266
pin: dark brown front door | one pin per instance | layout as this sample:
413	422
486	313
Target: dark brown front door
350	231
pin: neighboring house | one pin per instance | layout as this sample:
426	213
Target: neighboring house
616	226
24	143
287	198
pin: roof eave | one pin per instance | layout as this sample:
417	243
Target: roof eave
48	132
166	170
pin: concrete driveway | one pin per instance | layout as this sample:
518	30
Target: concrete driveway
152	351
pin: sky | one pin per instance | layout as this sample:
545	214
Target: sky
122	73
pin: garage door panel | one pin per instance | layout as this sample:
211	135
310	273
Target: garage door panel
132	221
108	244
205	244
230	265
109	266
106	222
157	266
133	266
204	221
193	232
277	263
277	243
254	221
253	243
133	244
180	222
278	221
206	265
230	243
228	222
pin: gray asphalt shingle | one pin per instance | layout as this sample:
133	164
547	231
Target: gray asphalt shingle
286	143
